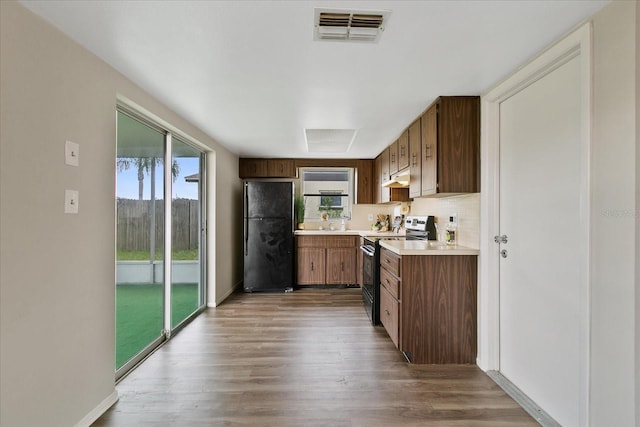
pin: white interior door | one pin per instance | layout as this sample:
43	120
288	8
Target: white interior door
542	284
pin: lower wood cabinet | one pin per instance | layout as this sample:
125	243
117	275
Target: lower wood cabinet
326	260
432	317
311	266
389	310
341	266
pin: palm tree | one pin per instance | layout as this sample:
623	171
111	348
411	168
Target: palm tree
148	165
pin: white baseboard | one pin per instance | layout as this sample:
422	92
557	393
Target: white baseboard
213	304
96	412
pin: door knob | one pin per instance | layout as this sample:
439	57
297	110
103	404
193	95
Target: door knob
500	239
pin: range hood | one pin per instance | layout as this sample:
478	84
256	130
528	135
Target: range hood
399	180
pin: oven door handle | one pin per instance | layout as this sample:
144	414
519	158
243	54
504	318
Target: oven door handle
367	251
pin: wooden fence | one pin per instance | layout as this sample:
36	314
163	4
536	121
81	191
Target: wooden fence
134	224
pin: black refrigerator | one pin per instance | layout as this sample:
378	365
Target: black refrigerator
268	236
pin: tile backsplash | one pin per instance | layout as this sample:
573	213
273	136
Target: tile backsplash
466	206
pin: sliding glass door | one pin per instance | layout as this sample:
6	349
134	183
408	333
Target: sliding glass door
186	236
159	236
139	237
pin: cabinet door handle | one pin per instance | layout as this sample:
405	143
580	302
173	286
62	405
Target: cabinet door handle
427	151
387	261
311	265
342	266
387	311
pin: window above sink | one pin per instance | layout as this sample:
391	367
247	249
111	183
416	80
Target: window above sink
328	192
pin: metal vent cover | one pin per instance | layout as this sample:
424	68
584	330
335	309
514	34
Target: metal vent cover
349	25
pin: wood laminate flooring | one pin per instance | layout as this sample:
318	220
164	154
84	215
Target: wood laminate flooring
307	358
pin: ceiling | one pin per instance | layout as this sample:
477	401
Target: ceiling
251	76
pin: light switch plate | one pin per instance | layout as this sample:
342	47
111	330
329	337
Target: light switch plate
72	153
71	201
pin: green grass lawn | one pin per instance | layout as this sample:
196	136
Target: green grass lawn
139	315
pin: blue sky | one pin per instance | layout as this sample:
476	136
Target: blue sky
127	182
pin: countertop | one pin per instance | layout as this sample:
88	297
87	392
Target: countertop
400	247
347	233
422	247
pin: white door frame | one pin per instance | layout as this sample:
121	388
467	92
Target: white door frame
578	43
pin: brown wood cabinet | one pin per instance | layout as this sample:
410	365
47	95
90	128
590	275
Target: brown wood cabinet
287	168
382	174
415	165
281	168
430	151
310	266
389	312
266	168
390	294
325	259
253	168
433	298
393	158
364	182
341	266
403	150
451	146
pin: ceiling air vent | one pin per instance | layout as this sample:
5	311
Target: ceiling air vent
349	25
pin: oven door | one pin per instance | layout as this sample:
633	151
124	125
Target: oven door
369	278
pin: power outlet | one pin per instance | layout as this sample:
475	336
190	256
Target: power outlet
454	218
370	217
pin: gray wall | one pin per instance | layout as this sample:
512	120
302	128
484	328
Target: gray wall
57	271
614	220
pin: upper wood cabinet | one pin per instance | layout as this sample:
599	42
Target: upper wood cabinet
364	182
393	158
253	168
429	150
403	150
384	174
377	179
287	168
451	146
282	168
415	165
266	168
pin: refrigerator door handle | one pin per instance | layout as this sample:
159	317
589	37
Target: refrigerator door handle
246	220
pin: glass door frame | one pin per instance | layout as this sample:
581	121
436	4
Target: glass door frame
167	330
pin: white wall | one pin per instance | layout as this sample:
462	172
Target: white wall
614	187
637	290
57	320
614	219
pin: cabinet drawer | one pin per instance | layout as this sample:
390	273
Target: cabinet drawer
391	282
341	241
389	308
390	261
